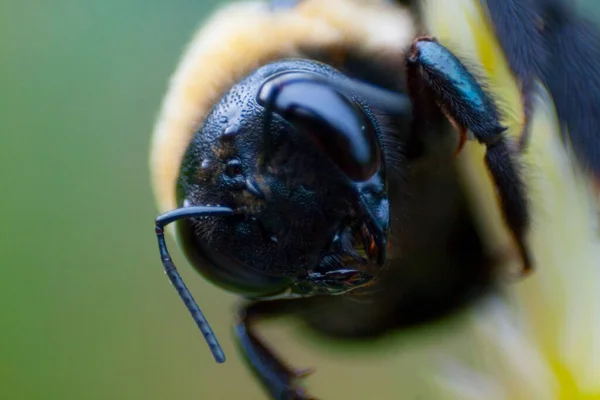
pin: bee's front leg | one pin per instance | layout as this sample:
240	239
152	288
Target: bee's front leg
441	79
280	380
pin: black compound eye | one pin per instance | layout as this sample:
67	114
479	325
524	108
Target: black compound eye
338	125
233	167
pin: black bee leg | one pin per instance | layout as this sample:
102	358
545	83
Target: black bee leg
442	77
280	380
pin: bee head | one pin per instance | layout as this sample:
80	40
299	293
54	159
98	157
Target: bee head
299	161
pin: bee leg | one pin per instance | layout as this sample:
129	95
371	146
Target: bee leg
280	380
455	90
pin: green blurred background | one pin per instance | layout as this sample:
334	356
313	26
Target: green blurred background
85	309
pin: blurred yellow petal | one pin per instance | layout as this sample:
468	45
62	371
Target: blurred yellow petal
542	341
562	301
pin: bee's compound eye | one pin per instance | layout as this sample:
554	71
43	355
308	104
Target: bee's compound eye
338	125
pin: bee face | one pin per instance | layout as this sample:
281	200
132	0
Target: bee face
310	217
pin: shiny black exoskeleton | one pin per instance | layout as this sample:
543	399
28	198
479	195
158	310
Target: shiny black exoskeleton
307	181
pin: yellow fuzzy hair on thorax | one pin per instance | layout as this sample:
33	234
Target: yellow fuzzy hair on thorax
243	36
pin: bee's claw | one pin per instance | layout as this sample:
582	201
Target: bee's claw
302	394
462	139
304	372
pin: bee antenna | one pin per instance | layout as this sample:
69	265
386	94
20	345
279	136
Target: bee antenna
164	220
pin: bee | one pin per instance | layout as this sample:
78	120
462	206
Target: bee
306	154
